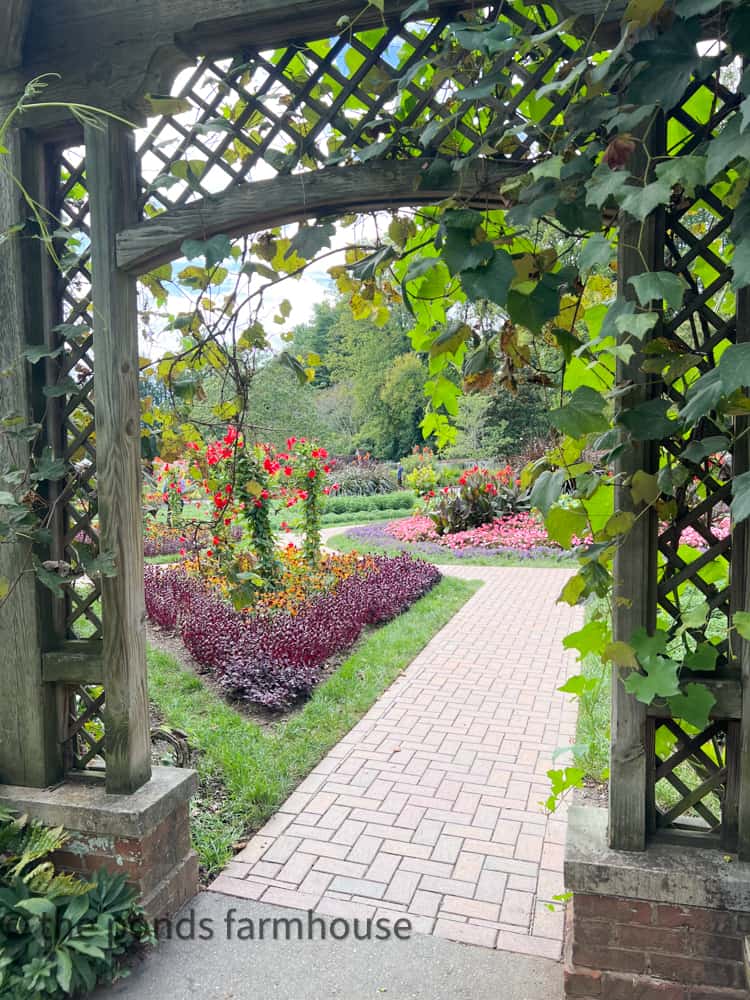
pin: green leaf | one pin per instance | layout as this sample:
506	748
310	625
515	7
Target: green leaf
492	281
308	241
639	202
644	487
692	8
659	680
573	590
418	7
703	657
696	616
740	506
726	147
741	621
740	261
65	387
562	523
687	171
668	63
4	587
596	252
693	705
738	30
592	638
461	251
35	352
619	523
653	286
546	490
215	250
606	183
637	325
697	451
489	39
535	309
451	339
649	421
702	397
583	414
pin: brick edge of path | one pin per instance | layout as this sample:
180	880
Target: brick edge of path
430	807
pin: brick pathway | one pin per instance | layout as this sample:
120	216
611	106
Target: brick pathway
430	806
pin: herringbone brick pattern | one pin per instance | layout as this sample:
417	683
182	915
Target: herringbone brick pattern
430	807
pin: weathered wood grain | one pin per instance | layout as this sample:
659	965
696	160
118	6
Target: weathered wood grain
14	17
740	600
727	692
251	207
110	167
30	752
74	663
640	247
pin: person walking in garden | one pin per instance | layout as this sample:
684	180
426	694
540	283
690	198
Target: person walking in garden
400	475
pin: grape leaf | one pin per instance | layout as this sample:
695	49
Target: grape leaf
693	705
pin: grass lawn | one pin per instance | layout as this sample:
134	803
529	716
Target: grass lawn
258	766
343	543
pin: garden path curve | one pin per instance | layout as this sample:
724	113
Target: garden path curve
430	806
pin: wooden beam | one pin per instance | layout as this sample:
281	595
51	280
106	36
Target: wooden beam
726	691
14	17
30	751
640	248
250	207
74	663
110	53
740	601
111	176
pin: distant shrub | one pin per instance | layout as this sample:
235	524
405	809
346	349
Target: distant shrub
363	479
401	500
422	479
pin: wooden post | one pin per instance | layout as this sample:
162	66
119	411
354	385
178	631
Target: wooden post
111	178
740	601
30	749
640	249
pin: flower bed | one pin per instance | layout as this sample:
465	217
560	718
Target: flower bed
520	536
275	657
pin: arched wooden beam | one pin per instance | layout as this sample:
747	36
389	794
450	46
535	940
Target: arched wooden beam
259	205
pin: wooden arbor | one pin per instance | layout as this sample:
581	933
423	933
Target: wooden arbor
75	672
75	667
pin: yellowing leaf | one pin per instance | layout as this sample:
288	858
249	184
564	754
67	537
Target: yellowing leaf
572	591
619	524
644	487
621	654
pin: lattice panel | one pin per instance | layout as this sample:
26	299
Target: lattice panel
75	426
697	231
309	105
84	746
691	774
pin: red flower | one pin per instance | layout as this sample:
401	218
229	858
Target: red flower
290	443
231	435
312	474
210	553
288	470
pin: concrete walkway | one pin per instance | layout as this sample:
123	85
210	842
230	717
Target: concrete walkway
431	807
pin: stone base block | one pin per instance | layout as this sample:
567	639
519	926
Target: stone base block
665	924
146	835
